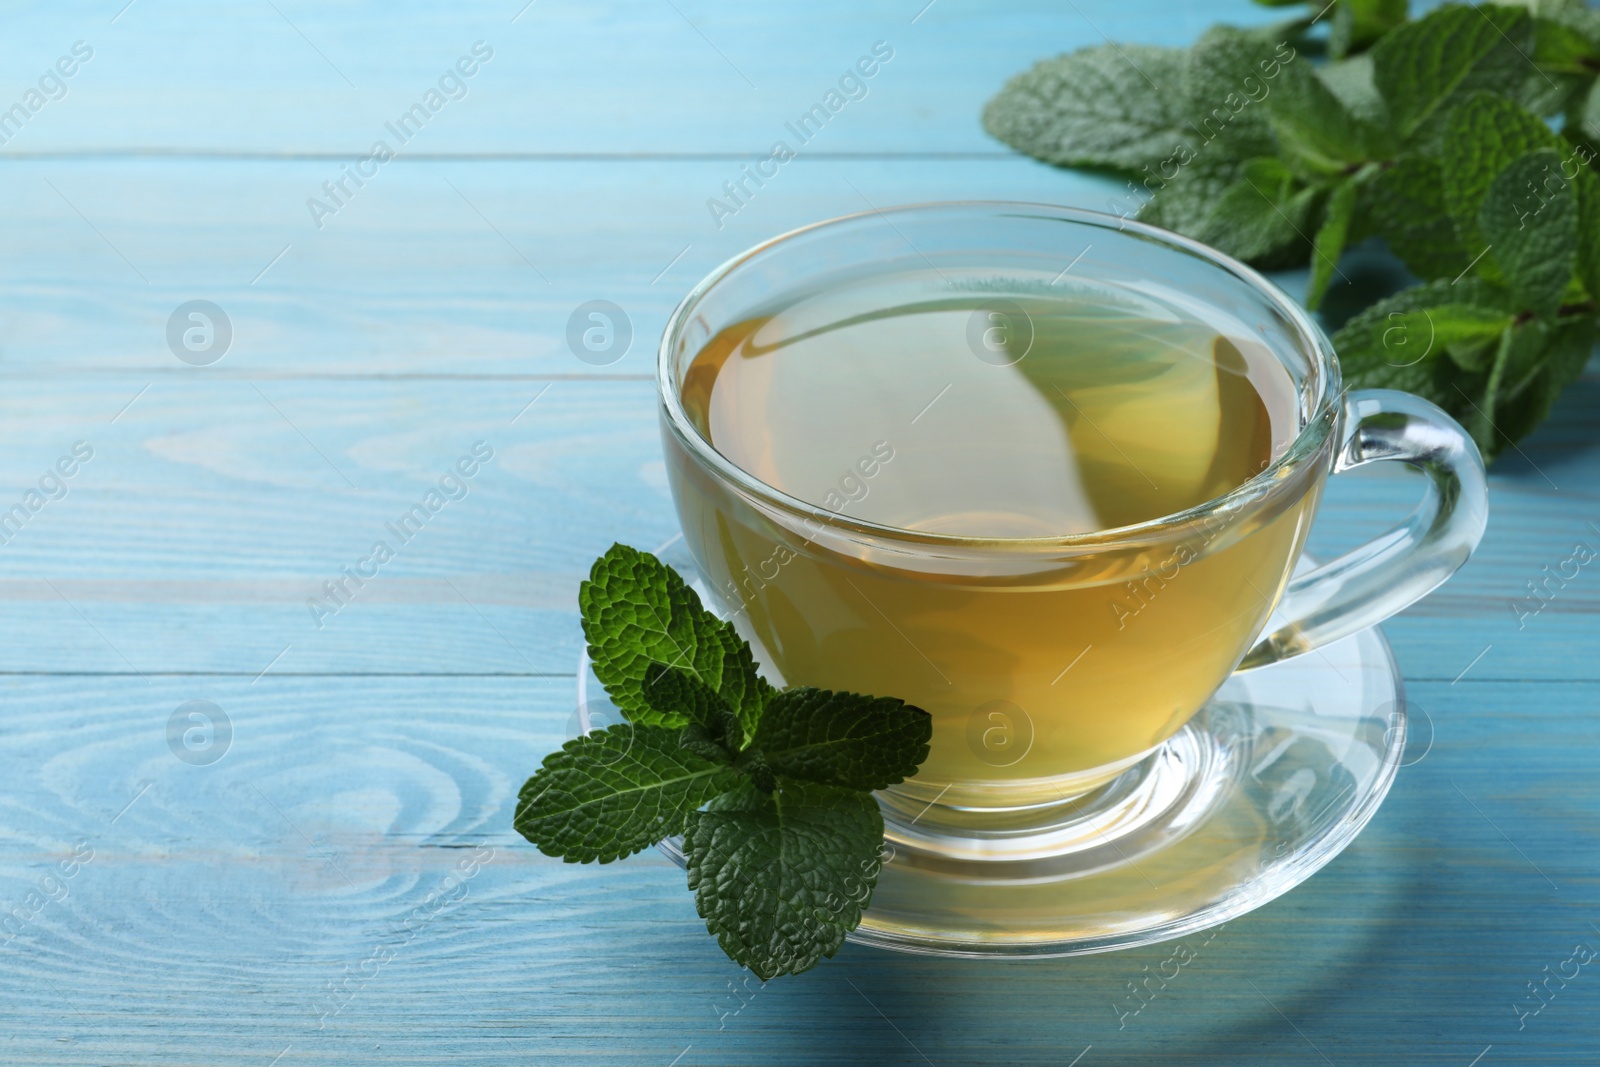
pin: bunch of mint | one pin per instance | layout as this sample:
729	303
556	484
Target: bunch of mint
772	791
1460	139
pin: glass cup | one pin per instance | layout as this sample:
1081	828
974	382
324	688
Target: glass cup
1039	693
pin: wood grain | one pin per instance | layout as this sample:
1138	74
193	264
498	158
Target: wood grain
436	268
221	900
213	509
613	79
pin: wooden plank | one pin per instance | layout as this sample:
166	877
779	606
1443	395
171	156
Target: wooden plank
221	900
437	268
213	509
618	78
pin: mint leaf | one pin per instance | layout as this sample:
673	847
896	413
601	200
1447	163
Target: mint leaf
1109	106
843	739
1485	135
1585	113
1503	373
1351	80
1559	364
613	792
1476	414
781	878
638	611
1189	199
1227	76
1550	93
1524	356
1566	54
1358	24
1317	134
671	691
1423	68
1573	12
1259	212
1401	342
1587	189
1405	205
1565	41
1531	227
1330	239
1262	217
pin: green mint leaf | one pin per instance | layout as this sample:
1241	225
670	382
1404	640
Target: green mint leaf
755	766
1424	68
1586	112
1184	203
1524	357
1358	24
672	691
638	611
613	792
1476	413
1566	37
1351	80
698	741
1258	211
1114	106
1471	353
1529	219
1474	354
1402	342
1549	94
1317	134
1522	407
1588	191
1566	54
1566	44
1405	205
1469	334
1485	135
1330	240
780	878
1263	217
843	739
1553	9
1228	76
1498	395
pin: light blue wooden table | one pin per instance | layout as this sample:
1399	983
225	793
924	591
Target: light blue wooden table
342	886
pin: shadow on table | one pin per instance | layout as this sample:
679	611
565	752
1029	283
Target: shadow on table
1382	957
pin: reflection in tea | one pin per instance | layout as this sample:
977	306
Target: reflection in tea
987	411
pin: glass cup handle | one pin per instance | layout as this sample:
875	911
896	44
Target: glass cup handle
1384	576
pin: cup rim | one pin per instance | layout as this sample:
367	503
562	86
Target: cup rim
1318	423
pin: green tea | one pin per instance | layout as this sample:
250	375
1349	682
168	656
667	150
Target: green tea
991	412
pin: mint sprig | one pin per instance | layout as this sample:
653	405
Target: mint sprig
1463	139
772	791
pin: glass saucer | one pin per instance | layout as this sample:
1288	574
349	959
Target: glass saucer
1266	784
